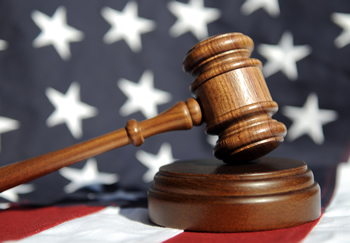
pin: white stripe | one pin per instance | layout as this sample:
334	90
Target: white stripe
108	225
334	225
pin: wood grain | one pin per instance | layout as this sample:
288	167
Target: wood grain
206	195
181	116
236	103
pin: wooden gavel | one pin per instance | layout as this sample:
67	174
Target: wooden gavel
231	98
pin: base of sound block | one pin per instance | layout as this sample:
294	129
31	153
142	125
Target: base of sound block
209	196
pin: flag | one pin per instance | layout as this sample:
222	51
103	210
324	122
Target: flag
71	71
114	224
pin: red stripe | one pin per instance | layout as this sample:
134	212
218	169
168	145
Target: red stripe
19	223
288	235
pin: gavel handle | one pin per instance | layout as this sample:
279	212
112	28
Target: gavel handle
181	116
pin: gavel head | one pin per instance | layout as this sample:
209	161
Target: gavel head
235	101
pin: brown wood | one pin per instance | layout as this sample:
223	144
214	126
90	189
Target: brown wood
241	116
206	195
180	117
233	98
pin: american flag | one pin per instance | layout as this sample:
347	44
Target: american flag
74	70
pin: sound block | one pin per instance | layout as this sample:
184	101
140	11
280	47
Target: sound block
210	196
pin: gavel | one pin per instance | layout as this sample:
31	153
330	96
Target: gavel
231	97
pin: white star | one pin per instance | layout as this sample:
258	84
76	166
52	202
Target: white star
3	45
343	20
142	96
212	139
12	194
193	17
126	25
5	206
87	176
270	6
283	57
69	109
308	119
121	195
7	124
154	161
56	32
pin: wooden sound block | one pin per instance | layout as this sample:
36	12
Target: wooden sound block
210	196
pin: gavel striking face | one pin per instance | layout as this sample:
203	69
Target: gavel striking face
234	102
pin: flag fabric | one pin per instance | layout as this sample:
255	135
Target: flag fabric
335	223
113	224
73	70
